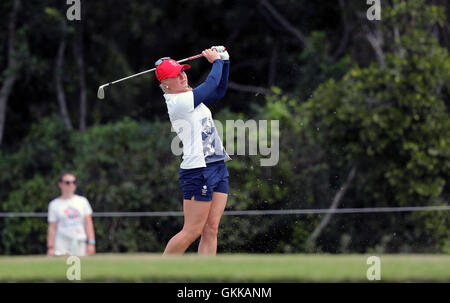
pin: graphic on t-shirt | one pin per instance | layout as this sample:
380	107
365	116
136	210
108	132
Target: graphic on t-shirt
212	145
196	130
208	136
72	212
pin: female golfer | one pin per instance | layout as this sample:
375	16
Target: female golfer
70	229
203	174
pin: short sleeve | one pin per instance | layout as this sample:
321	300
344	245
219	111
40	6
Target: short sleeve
87	209
181	103
52	215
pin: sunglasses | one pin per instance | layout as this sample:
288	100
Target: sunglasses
161	60
69	182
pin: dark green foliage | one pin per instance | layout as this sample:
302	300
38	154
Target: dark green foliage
338	103
393	125
124	166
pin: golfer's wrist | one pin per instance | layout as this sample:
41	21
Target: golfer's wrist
91	242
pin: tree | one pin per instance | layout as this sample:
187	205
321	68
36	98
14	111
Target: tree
59	64
391	120
12	69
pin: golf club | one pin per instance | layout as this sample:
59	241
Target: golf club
101	89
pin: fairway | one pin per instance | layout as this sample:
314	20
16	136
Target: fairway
227	268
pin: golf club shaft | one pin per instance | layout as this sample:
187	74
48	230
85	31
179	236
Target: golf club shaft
150	70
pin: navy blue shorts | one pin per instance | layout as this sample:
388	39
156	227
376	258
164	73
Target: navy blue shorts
203	181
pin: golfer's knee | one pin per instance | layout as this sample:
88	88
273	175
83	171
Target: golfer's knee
192	233
210	230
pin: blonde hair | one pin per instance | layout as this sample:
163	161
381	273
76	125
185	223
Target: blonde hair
164	88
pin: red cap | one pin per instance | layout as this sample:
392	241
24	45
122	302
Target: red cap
169	68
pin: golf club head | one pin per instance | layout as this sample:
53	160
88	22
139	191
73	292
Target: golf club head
101	92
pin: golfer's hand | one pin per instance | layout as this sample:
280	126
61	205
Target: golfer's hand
50	252
222	52
224	55
210	55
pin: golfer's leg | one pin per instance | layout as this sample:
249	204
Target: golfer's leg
208	241
195	216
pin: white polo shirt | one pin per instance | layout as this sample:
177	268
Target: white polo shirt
196	130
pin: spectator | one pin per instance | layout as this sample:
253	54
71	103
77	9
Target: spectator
70	230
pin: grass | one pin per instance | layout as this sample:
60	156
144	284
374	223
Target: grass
226	268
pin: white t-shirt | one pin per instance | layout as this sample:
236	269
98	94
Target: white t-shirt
195	128
69	215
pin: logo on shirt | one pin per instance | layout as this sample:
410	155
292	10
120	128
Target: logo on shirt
72	212
204	190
